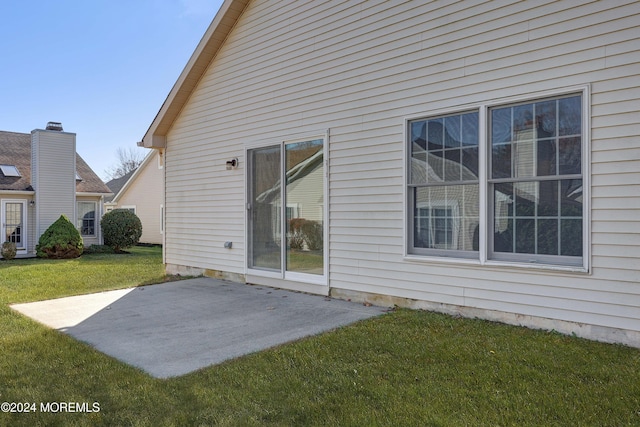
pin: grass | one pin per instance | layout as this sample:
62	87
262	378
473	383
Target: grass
34	279
409	368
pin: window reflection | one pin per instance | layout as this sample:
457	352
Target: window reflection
538	217
265	228
13	226
444	149
444	171
526	143
535	214
305	207
446	217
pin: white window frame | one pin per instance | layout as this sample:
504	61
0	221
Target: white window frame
485	256
25	223
95	218
410	248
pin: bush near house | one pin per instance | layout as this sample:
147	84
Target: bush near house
303	231
296	237
9	250
61	240
121	229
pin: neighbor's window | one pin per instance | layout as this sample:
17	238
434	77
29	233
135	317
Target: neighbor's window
443	184
534	185
86	222
536	180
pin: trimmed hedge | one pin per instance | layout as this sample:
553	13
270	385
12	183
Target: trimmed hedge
61	240
121	229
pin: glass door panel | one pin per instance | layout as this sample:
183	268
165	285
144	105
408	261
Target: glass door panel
13	225
304	163
265	205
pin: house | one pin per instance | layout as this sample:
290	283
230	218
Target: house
41	178
141	191
477	158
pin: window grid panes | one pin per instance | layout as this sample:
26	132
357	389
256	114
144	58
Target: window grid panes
536	178
86	222
534	153
14	227
444	183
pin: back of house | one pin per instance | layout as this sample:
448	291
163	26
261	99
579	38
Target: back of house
478	158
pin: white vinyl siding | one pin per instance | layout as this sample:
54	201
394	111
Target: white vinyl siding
53	169
361	68
143	195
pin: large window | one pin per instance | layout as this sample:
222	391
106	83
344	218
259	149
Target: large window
86	221
532	153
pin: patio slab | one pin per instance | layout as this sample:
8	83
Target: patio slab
175	328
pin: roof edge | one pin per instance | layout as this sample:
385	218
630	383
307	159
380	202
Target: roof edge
207	49
89	193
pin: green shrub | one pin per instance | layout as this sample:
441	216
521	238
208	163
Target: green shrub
121	229
312	231
303	231
61	240
8	250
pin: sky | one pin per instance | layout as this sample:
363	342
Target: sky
102	68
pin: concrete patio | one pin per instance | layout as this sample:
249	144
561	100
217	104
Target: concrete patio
175	328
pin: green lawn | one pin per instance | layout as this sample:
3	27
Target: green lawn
405	368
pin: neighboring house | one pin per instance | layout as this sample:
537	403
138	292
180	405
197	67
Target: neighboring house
142	191
478	158
41	178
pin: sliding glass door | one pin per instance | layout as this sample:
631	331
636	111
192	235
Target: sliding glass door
286	206
265	195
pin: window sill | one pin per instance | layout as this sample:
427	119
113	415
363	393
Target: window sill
433	259
424	259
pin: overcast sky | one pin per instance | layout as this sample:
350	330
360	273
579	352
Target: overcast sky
101	67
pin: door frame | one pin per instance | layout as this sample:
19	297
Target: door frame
25	234
305	282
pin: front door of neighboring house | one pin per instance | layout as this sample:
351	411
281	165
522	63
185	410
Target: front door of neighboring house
14	229
286	211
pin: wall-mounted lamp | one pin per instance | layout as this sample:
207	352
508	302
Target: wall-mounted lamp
32	203
232	164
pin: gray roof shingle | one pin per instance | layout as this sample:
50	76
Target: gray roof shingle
116	184
15	149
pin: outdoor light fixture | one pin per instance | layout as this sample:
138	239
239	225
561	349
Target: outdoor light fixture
32	203
232	164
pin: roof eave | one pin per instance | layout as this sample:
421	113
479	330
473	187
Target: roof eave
92	194
207	49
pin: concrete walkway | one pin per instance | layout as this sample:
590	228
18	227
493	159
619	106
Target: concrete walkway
175	328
